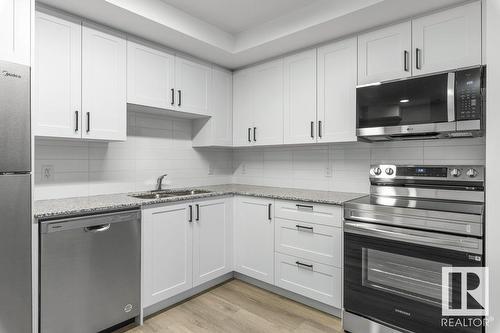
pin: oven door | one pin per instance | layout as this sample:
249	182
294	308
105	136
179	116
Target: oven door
393	275
413	107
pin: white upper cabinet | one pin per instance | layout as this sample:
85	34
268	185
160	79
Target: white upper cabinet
15	31
337	75
150	76
243	105
104	84
268	103
384	54
300	98
254	237
192	81
447	40
57	85
212	239
218	129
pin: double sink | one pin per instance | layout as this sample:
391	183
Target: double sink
167	194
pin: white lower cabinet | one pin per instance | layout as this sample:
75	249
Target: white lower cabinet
212	240
254	237
311	279
167	252
184	245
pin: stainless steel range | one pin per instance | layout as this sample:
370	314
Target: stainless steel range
416	220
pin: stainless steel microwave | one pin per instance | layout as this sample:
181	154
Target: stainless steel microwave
437	106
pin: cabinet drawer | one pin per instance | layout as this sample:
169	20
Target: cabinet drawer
309	212
316	242
316	281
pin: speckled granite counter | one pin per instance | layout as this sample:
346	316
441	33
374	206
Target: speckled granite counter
56	208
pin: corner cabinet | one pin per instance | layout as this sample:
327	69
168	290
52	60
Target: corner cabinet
218	129
80	80
184	245
258	105
15	23
254	238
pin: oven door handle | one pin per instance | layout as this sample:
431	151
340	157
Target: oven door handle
415	236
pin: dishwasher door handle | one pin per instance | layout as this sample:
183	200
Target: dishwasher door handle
98	228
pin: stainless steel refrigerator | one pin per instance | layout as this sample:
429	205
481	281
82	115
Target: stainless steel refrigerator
15	199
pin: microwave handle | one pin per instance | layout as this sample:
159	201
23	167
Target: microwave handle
451	97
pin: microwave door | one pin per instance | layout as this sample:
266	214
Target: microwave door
15	135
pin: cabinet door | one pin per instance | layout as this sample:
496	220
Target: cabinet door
57	85
104	84
447	40
15	31
150	76
212	240
300	98
192	81
167	252
337	92
254	238
268	103
242	108
384	54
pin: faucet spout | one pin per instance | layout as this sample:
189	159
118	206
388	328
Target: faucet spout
159	182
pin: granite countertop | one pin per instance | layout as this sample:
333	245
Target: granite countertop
56	208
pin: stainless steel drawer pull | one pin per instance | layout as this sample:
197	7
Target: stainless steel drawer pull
301	264
197	212
190	213
298	226
98	228
76	121
305	207
269	217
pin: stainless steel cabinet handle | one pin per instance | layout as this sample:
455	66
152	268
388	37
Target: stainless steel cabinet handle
249	134
172	95
98	228
88	122
269	212
190	213
197	212
254	134
320	129
180	97
298	226
417	58
76	121
405	60
304	265
312	129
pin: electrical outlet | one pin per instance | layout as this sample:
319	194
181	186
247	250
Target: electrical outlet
210	169
47	173
243	168
328	171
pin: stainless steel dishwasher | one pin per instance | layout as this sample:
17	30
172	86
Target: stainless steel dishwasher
89	272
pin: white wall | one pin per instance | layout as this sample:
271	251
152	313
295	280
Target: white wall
492	30
344	167
155	145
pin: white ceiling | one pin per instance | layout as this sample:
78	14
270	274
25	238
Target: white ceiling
235	33
235	16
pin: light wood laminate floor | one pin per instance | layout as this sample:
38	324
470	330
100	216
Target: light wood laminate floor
239	307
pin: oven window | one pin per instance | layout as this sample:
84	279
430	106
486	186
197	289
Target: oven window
414	278
406	102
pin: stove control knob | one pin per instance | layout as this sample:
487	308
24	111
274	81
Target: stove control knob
471	173
389	171
455	172
376	171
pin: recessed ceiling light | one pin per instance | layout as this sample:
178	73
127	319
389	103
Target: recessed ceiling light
404	101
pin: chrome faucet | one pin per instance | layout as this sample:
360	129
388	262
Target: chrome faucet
159	182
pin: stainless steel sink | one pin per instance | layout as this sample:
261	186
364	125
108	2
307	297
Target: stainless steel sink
167	194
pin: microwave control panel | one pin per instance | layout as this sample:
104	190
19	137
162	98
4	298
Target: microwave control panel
468	97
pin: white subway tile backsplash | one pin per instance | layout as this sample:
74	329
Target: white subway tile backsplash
161	144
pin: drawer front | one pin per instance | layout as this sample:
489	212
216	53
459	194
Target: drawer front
309	212
316	242
316	281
